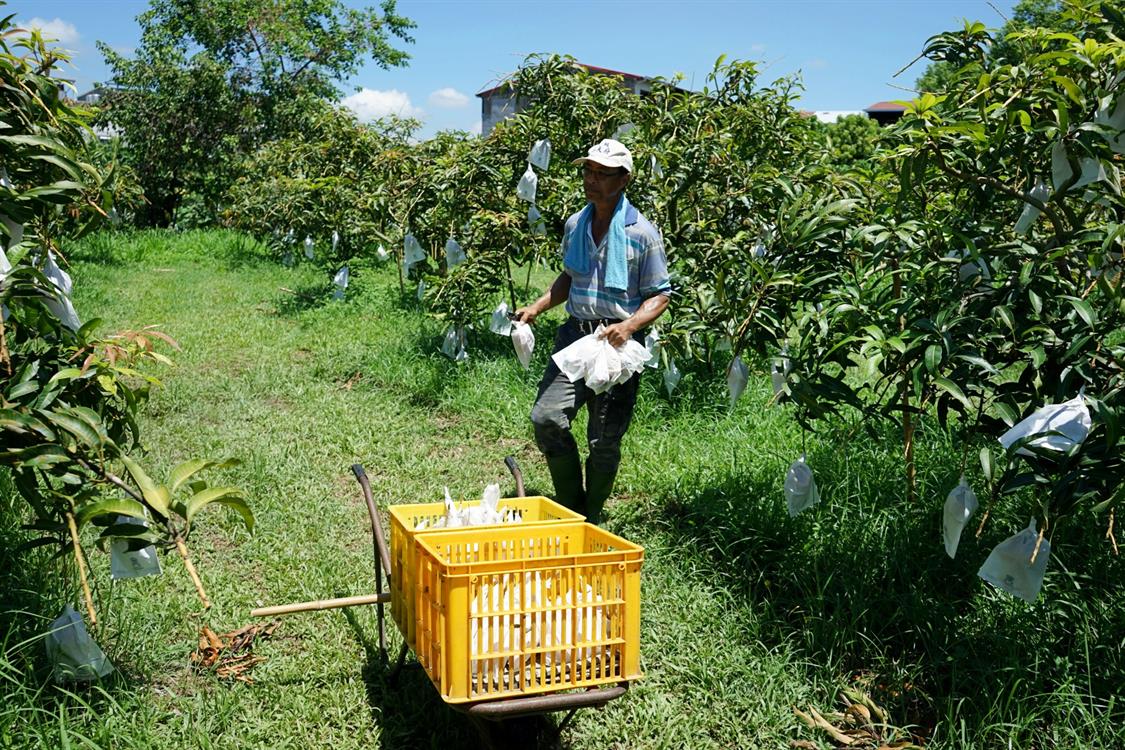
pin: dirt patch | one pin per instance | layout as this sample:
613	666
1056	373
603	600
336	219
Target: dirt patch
278	403
300	355
350	381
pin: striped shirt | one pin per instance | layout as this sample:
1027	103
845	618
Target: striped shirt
648	271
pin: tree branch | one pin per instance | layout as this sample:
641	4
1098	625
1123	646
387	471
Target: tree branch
992	182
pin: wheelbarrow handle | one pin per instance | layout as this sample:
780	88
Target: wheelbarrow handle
382	554
510	462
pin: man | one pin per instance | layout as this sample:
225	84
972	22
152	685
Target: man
615	274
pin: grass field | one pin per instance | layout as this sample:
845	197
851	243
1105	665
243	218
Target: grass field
746	612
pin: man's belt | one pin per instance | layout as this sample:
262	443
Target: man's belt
589	326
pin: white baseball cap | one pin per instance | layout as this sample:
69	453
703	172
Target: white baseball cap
608	153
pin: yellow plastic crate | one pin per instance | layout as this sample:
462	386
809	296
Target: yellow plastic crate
514	610
404	520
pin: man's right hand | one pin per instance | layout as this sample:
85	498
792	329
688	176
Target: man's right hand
526	314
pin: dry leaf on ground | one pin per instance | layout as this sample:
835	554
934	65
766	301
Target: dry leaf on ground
230	655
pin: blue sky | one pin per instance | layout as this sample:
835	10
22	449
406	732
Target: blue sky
847	51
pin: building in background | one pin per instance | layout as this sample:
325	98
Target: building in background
886	113
500	102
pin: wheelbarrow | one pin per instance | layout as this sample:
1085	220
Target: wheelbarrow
508	621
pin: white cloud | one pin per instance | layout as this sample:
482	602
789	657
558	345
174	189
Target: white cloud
371	104
57	29
475	128
757	48
449	98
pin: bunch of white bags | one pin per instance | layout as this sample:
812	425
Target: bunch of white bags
309	245
484	513
539	156
381	254
593	359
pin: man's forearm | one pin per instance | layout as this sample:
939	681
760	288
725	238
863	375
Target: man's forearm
650	310
554	296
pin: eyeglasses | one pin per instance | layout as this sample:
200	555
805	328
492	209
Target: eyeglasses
598	174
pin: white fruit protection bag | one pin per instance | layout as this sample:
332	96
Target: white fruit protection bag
1009	566
737	375
124	563
412	253
671	376
800	487
454	255
540	155
341	282
960	505
1071	419
73	654
527	186
524	340
501	324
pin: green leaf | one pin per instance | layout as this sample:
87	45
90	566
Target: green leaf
84	433
1006	412
1071	88
22	389
1084	310
1005	314
67	373
986	463
187	469
933	357
157	496
952	389
231	497
121	506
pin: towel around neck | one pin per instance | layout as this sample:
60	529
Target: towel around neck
580	256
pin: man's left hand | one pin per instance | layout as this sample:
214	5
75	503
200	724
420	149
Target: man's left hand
618	333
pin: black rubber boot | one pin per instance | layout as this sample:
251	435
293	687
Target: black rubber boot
566	473
599	485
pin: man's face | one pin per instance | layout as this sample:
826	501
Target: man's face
603	184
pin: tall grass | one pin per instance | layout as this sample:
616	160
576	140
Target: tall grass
746	612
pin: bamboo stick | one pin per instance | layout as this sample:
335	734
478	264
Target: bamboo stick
82	570
347	601
182	549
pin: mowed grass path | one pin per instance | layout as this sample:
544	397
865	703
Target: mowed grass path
746	612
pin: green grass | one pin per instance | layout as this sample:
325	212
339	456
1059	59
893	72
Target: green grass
746	612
